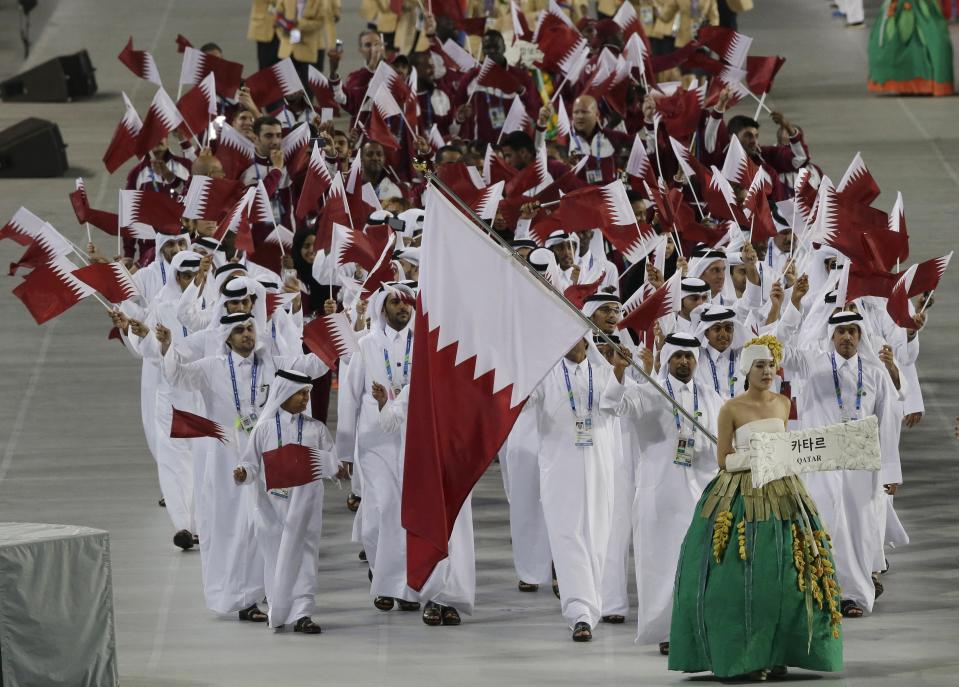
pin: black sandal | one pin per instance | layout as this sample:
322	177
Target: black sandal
555	584
253	614
614	619
878	585
307	626
361	555
664	648
432	615
450	616
353	502
407	605
383	603
850	609
528	587
582	632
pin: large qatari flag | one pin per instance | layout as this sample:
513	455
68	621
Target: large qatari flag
487	332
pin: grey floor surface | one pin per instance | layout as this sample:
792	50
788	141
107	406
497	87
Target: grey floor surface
72	449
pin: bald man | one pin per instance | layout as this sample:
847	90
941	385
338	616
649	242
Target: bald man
606	148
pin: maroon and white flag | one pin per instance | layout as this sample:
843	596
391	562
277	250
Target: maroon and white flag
51	289
161	120
23	227
857	184
234	151
639	169
272	84
315	184
182	43
238	216
197	64
737	167
110	279
191	426
123	145
521	30
639	313
731	46
198	106
330	338
140	62
516	119
155	208
467	183
295	147
107	222
292	465
918	279
482	347
497	78
761	71
460	57
320	87
560	44
209	198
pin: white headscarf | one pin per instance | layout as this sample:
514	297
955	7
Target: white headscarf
715	314
226	324
675	343
171	291
163	239
375	309
597	301
285	383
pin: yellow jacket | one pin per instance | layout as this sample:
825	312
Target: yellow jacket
261	27
317	27
675	18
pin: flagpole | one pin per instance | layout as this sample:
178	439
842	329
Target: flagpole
465	208
89	235
803	238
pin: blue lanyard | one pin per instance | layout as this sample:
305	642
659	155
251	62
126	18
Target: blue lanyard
184	331
236	392
732	369
279	431
406	360
162	271
569	389
835	381
679	422
769	252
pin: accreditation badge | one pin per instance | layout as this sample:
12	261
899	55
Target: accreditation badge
685	451
280	493
497	116
246	422
584	433
594	176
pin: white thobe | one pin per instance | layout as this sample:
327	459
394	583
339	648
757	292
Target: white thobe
231	563
713	371
288	522
453	580
179	461
851	503
527	525
378	454
666	492
576	482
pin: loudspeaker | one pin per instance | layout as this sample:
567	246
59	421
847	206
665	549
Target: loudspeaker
32	148
63	78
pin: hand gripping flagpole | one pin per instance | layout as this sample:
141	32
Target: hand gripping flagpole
465	208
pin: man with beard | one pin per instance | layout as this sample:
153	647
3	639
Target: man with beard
676	463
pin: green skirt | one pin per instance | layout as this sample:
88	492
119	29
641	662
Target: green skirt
755	585
910	51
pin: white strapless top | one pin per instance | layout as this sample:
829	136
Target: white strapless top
769	424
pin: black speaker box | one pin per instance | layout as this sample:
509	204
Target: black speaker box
32	148
61	79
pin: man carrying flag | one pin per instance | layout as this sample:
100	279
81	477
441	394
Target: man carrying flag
467	392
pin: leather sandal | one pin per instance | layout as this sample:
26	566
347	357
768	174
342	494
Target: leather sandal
353	502
614	619
850	609
404	605
432	615
528	587
582	632
383	603
253	614
664	648
307	626
450	616
878	585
